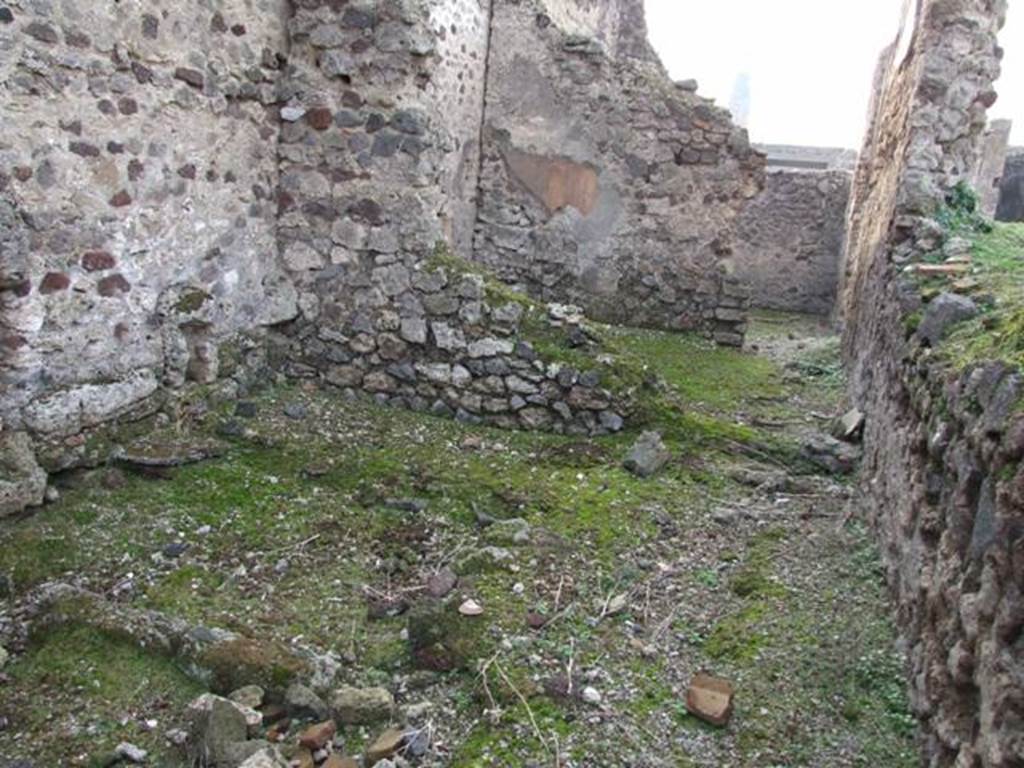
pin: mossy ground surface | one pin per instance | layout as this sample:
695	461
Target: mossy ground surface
296	527
998	332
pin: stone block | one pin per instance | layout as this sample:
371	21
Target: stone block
710	699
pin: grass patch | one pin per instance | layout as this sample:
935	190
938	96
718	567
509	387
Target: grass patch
84	679
998	333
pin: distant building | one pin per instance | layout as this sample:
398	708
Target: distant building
1011	192
810	158
739	105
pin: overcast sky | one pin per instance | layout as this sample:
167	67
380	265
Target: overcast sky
809	62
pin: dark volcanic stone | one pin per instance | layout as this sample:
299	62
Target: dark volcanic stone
175	550
356	18
368	211
150	26
191	76
84	149
246	409
295	411
42	32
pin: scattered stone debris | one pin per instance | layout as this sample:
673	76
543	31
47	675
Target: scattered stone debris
362	706
535	620
710	699
592	696
647	456
130	753
943	312
22	480
250	696
295	411
831	455
152	455
386	745
267	757
218	735
766	480
302	703
514	531
442	583
206	701
850	426
318	736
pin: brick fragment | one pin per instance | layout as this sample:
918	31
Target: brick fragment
113	285
54	282
710	699
97	261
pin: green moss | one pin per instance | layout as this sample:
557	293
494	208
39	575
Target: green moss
736	638
192	300
913	321
704	374
246	661
442	639
487	746
754	579
998	333
81	674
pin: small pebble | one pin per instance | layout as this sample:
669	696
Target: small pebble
131	753
471	608
175	550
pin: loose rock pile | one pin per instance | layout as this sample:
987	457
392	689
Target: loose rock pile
250	729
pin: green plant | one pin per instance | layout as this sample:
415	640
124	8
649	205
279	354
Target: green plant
959	214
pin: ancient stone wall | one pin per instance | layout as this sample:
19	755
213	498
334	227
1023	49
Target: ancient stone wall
789	242
300	179
619	25
137	221
988	172
379	156
604	185
1011	187
942	478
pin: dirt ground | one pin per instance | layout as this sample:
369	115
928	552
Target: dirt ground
325	517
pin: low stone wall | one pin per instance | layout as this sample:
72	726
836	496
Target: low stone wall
603	184
790	240
376	157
